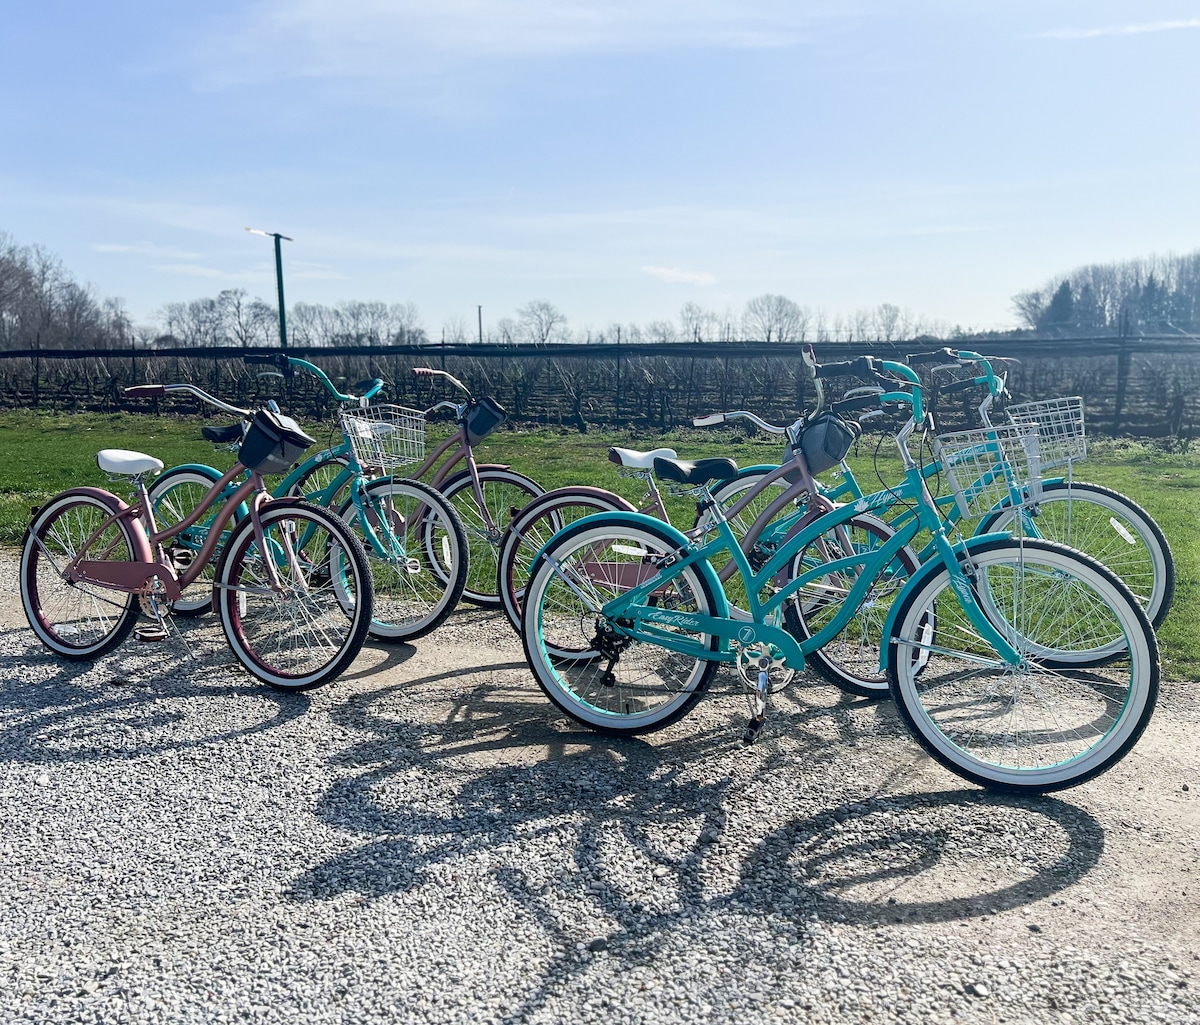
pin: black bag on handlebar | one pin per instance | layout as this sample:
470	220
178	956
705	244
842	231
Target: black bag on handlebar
481	418
824	442
273	443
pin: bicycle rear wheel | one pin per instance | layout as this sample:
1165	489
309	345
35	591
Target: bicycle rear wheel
310	628
1112	529
418	555
1040	725
586	664
78	621
850	660
505	493
174	497
533	527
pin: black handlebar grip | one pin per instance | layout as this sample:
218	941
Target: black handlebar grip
954	386
146	391
936	356
857	402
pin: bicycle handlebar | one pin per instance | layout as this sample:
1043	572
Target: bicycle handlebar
431	372
160	390
713	419
287	364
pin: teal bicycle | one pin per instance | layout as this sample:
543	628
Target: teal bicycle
1098	521
625	621
414	540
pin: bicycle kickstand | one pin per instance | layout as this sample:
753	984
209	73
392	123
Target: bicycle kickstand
759	692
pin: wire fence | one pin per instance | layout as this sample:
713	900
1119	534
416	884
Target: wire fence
1144	387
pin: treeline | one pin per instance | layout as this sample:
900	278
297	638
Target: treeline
1156	295
42	306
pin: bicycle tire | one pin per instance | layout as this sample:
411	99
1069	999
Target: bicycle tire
1034	727
77	621
1111	528
851	660
311	630
411	524
533	527
643	688
312	484
505	493
173	497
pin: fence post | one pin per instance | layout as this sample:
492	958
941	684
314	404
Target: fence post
37	368
1122	375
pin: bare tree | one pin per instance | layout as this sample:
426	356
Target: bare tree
541	322
774	318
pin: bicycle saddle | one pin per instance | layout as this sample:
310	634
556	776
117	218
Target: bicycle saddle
222	435
123	461
700	471
634	460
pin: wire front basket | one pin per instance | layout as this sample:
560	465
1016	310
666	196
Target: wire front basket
385	437
990	467
1060	428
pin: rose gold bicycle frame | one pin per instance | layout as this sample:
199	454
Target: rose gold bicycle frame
138	576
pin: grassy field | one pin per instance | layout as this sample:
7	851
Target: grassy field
45	454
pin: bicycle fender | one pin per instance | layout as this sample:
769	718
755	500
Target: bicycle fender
213	474
917	580
116	506
676	537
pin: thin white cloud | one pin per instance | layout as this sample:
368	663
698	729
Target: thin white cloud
1119	30
195	270
679	276
145	249
391	38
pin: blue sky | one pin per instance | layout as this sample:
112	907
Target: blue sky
617	158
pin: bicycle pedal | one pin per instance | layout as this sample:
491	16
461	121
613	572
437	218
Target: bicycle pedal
754	729
150	634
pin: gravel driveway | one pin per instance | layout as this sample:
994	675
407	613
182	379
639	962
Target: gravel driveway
425	840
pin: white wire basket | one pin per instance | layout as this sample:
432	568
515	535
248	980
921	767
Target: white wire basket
989	467
1060	428
385	437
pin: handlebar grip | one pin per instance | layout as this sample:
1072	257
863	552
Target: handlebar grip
424	372
857	402
255	358
936	356
146	391
711	420
954	386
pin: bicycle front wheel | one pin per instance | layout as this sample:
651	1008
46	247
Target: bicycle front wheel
586	664
505	493
418	555
296	608
1112	529
78	621
1039	725
174	496
533	527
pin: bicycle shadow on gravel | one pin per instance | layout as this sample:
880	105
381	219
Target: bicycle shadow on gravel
496	758
137	700
624	845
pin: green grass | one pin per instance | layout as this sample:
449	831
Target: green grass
43	454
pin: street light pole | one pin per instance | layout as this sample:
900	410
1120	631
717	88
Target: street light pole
480	309
278	279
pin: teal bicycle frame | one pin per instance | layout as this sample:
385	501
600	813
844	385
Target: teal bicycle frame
632	615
